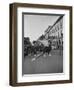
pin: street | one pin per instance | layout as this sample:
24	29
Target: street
43	65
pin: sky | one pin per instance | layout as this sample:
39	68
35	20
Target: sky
35	25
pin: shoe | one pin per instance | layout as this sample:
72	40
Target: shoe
44	55
49	54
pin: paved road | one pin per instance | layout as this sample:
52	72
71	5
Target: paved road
48	64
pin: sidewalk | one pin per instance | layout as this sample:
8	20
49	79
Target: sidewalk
56	52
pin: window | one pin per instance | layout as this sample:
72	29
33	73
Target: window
61	24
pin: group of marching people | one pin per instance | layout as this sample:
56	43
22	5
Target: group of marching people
43	47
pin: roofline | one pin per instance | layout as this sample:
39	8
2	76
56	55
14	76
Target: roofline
56	22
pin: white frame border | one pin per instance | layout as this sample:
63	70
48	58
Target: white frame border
45	77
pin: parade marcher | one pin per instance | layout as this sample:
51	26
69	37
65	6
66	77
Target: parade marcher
47	47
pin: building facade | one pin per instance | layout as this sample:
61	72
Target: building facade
55	32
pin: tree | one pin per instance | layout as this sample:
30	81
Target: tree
41	37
